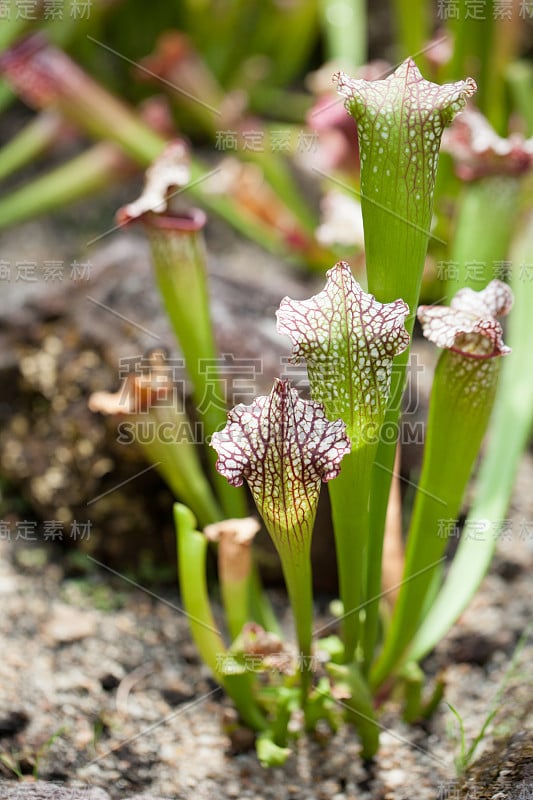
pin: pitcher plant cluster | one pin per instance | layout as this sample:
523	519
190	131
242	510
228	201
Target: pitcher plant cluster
355	343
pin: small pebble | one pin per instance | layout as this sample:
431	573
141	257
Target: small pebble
69	624
109	682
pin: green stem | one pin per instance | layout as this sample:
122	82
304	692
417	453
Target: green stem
412	27
504	49
509	435
461	402
12	29
413	679
178	462
382	472
484	227
192	547
344	24
260	606
373	592
179	259
473	53
349	493
520	79
31	142
296	567
83	175
235	599
359	707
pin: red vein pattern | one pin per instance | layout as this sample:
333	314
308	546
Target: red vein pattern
284	447
425	108
469	325
416	92
349	341
400	121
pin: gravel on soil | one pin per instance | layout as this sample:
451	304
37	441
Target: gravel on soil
102	688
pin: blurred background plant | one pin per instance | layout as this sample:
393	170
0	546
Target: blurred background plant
274	153
246	82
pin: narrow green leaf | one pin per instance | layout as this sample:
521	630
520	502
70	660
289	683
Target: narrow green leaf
30	142
90	172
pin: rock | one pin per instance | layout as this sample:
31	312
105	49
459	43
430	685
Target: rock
505	771
176	696
145	797
13	722
69	624
473	647
40	790
328	789
508	569
109	682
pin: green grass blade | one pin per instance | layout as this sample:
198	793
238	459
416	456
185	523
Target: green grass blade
30	143
483	232
345	31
